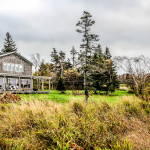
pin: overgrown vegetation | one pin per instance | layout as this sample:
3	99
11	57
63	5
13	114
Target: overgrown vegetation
80	125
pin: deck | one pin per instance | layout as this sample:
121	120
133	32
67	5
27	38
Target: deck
26	92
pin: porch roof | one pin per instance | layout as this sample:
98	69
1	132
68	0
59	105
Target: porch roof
23	76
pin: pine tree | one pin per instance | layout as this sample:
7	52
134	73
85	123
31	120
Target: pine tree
54	56
107	54
9	44
97	56
68	64
110	77
87	42
61	85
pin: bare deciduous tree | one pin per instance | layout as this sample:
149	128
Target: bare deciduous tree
36	60
137	67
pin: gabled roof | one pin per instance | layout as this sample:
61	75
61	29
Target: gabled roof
18	54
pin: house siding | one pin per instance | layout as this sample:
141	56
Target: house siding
15	59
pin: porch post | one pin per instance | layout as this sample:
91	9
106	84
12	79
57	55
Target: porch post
4	84
31	84
19	84
49	84
42	84
38	84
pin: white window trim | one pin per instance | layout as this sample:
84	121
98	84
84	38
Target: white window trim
16	67
5	68
20	67
13	67
8	66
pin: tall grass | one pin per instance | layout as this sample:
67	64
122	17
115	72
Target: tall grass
92	125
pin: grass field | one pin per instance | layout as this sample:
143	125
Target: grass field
68	96
96	125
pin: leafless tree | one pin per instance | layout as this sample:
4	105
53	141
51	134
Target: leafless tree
137	67
36	60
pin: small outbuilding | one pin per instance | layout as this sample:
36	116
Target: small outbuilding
16	75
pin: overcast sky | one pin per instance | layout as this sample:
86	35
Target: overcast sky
40	25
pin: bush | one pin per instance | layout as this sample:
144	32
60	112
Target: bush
9	98
61	85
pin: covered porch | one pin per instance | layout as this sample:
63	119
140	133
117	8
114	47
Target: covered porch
23	84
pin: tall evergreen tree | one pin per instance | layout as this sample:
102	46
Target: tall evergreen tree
58	60
54	56
73	53
68	64
9	44
88	40
97	55
107	54
110	77
61	85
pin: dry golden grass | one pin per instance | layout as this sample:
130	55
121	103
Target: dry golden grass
93	125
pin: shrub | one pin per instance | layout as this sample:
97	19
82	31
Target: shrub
9	98
61	85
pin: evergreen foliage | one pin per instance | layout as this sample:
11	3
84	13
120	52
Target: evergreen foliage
61	85
88	43
95	68
107	54
103	76
9	44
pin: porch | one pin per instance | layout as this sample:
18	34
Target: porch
23	84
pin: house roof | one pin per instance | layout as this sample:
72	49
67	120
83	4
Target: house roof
18	54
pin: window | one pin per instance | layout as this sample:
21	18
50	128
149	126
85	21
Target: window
17	67
8	67
13	67
20	68
5	66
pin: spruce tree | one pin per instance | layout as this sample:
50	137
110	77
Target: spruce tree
54	56
110	76
9	44
61	85
107	54
88	40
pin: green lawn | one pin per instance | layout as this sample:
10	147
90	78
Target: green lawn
68	96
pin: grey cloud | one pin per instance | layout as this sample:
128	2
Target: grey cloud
123	26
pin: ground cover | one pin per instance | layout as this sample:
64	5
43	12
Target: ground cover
68	96
96	125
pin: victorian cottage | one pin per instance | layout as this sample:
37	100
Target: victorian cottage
16	74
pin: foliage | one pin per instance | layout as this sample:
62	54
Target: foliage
71	77
92	125
61	85
9	44
88	40
9	98
137	70
146	92
107	54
